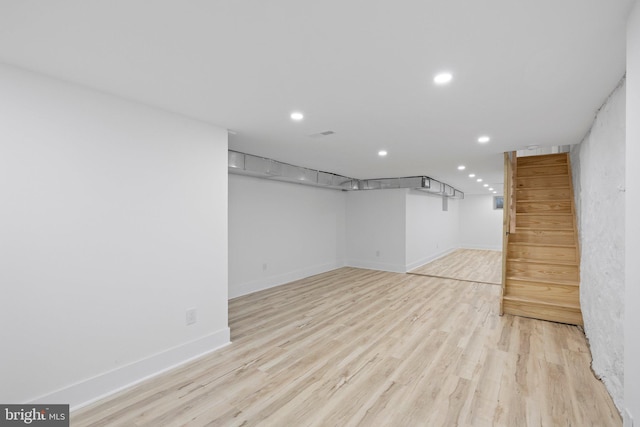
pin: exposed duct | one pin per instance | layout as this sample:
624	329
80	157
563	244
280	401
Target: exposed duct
248	164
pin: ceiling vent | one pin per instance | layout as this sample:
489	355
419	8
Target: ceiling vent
322	134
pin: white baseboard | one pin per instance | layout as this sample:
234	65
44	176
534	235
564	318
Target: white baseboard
236	290
88	391
382	266
483	247
428	259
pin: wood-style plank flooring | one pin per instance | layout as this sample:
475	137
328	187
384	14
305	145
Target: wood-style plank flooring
357	347
472	265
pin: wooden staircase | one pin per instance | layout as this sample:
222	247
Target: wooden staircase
541	258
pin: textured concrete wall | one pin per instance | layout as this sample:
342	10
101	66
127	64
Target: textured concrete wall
632	226
599	178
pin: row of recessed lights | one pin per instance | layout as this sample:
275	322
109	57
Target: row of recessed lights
473	175
443	79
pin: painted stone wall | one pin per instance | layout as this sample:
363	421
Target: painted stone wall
598	164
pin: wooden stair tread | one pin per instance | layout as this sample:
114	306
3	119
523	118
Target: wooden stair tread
543	200
543	213
543	262
543	159
541	165
544	281
541	245
545	303
542	176
545	230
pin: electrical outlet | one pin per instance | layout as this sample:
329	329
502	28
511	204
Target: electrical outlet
191	317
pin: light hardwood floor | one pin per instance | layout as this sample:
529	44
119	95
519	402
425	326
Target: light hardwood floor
360	347
466	264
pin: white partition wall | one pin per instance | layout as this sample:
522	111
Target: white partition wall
376	222
431	232
480	223
113	224
279	232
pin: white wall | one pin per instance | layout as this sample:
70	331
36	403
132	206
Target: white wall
113	223
430	231
280	232
480	223
599	171
632	266
376	229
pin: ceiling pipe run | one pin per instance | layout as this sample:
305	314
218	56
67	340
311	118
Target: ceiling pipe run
262	167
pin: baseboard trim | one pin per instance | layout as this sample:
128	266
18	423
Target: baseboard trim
237	290
93	389
482	247
428	259
380	266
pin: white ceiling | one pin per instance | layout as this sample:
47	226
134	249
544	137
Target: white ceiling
525	72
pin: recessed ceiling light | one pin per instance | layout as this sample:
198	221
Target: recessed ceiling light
495	192
442	78
472	175
297	116
479	180
484	139
491	189
485	185
461	167
382	153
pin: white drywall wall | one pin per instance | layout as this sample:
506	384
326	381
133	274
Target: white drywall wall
632	264
480	223
430	231
599	171
280	232
376	229
113	224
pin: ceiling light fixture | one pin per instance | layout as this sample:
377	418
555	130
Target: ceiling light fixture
461	167
297	116
479	180
491	189
484	139
495	192
472	175
442	78
382	153
485	185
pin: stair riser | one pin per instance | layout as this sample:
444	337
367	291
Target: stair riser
541	271
550	160
543	194
559	206
541	253
540	182
555	294
547	237
543	171
536	311
562	222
